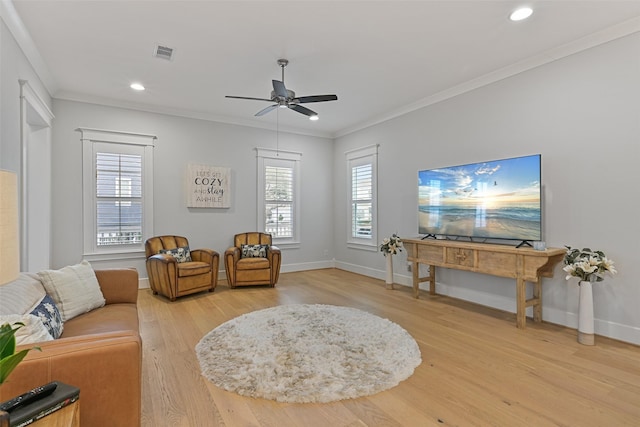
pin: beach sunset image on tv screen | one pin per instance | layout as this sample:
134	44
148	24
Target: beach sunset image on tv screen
498	199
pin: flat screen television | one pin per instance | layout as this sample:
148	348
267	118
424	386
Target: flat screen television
499	199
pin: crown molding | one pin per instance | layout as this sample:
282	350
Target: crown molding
109	102
612	33
17	28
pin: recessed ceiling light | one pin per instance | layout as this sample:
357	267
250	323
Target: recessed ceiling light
136	86
520	14
314	118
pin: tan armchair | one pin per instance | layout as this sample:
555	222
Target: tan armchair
174	279
247	270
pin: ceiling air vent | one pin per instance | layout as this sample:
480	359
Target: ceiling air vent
163	52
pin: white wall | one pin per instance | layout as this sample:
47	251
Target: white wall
14	66
35	207
582	113
182	141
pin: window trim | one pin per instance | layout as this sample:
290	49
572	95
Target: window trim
351	157
91	139
263	156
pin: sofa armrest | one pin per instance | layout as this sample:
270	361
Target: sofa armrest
119	285
106	367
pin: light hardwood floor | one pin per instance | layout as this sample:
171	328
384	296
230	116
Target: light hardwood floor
477	368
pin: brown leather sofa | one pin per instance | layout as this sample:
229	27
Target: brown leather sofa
252	271
99	352
174	279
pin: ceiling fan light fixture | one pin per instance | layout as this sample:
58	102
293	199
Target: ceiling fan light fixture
281	97
521	14
314	118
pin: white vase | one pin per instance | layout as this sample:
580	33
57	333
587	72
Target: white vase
585	314
389	279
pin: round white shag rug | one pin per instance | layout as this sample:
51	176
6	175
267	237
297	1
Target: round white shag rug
308	353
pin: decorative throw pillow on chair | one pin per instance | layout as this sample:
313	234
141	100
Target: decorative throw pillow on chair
182	254
254	251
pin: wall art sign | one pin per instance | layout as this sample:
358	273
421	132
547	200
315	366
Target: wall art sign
208	186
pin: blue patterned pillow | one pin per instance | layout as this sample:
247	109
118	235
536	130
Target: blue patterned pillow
48	313
182	254
254	251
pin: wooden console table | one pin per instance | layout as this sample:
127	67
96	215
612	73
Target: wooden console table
522	264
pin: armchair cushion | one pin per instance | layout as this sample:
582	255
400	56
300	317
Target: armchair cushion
180	254
252	263
186	269
254	251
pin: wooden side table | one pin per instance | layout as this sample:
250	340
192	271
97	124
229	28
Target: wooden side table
61	408
69	416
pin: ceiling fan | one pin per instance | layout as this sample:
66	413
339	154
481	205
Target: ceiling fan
285	98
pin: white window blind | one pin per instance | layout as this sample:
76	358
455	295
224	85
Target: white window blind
118	199
362	195
361	200
278	201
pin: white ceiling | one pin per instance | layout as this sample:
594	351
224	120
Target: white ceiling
381	58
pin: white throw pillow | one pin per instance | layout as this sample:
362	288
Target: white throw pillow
74	289
22	295
33	330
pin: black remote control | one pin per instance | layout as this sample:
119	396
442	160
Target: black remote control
29	397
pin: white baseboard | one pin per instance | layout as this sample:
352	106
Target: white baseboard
604	328
303	266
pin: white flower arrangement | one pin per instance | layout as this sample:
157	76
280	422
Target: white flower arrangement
391	245
587	265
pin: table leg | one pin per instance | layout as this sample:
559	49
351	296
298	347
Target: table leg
415	269
521	303
432	279
537	295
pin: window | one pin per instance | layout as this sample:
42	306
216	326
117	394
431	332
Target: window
118	199
118	192
362	191
278	195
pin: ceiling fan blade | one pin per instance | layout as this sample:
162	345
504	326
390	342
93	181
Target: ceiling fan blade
302	110
246	97
279	88
266	110
315	98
